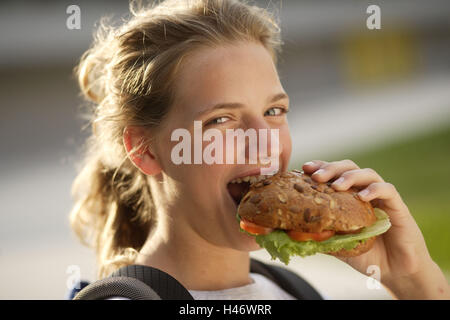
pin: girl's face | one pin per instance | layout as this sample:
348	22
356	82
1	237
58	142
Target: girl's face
199	196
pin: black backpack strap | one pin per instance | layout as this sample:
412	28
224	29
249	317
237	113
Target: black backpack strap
287	280
136	282
124	287
166	286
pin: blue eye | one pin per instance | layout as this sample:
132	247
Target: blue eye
275	111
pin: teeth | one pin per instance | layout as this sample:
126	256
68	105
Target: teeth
253	179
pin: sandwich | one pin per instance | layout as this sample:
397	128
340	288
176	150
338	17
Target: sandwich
290	214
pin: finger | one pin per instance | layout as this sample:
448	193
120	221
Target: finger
333	169
356	177
311	166
385	191
390	201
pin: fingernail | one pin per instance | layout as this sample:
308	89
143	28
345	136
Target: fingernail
320	171
339	181
309	163
363	193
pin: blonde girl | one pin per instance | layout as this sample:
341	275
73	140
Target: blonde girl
174	63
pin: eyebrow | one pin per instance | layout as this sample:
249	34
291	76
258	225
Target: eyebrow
235	105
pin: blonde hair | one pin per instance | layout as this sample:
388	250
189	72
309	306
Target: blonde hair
128	77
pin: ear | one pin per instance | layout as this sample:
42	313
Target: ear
139	153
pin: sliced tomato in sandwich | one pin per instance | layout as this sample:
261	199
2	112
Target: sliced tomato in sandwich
256	229
253	228
306	236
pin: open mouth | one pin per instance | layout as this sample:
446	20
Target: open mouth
238	187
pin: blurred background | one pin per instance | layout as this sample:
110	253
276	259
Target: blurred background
378	97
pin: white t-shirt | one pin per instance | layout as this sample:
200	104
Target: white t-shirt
261	288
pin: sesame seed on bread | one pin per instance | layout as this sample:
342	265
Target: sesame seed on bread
294	201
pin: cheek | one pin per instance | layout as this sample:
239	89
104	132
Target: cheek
196	176
285	142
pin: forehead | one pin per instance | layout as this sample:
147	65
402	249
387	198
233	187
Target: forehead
243	72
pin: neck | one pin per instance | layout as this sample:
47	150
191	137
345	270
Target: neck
196	263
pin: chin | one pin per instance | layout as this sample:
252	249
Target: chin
244	242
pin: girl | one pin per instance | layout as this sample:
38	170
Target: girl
215	62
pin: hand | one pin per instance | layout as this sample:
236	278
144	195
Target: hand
400	253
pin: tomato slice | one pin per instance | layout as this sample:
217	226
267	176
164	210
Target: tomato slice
253	228
306	236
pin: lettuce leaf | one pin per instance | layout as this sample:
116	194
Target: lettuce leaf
280	246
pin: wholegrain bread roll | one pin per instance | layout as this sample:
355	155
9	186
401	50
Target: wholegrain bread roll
294	201
358	250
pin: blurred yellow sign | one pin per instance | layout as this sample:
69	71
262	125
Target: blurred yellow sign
379	56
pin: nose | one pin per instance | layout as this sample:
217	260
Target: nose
266	149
